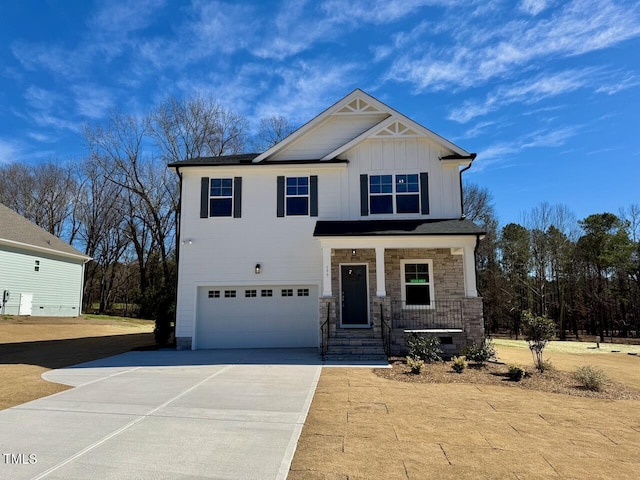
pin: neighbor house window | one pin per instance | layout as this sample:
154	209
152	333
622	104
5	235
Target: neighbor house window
229	294
394	194
221	197
266	293
287	292
297	195
250	293
417	282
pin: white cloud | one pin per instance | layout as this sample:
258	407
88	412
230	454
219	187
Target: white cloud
376	11
618	85
533	7
9	151
526	92
124	16
500	50
92	101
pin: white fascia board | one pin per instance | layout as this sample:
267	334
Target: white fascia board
399	241
310	124
48	251
360	138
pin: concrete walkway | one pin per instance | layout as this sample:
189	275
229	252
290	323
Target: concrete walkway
234	414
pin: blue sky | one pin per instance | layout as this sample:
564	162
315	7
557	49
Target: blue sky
547	92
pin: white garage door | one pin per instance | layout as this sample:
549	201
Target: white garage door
257	317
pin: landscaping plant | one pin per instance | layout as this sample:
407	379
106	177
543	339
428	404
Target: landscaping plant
458	364
516	372
415	364
591	378
480	352
538	330
425	348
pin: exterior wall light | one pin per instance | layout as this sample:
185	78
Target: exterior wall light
258	269
353	252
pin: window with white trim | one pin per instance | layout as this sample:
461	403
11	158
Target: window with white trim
297	195
390	194
417	283
221	197
250	293
266	293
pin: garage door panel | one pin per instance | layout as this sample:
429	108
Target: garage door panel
257	322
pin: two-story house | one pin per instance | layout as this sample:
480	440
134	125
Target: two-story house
348	234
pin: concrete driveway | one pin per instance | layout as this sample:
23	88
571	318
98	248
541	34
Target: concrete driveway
226	414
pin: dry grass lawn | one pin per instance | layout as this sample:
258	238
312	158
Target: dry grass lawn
29	346
363	426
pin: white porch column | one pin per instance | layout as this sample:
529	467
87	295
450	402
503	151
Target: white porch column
470	289
381	290
326	272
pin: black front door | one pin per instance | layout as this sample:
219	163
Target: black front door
354	295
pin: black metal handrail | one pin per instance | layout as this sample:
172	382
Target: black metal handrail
324	334
386	332
438	314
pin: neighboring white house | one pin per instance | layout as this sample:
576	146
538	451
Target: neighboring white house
354	221
42	274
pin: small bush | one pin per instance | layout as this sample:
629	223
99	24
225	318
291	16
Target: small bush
591	378
415	364
458	364
425	348
516	372
480	352
538	330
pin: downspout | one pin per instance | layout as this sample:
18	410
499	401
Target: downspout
462	214
178	218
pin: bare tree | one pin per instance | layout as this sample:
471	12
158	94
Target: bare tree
271	130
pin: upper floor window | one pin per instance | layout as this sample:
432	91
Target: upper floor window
297	195
394	194
221	197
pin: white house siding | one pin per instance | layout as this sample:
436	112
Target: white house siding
56	287
333	133
284	247
377	156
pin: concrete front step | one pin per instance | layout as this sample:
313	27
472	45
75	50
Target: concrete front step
355	358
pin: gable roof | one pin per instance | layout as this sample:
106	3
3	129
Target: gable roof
370	105
15	230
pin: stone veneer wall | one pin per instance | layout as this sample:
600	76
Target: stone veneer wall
448	278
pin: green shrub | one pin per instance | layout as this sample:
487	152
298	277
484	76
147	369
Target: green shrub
425	348
480	352
415	364
538	330
591	378
516	372
458	364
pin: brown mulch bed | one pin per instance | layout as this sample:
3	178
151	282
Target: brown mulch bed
552	380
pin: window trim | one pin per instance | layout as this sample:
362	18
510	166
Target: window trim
403	284
394	194
218	197
307	196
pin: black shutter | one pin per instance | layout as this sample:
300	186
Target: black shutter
364	195
237	197
280	197
313	196
424	193
204	197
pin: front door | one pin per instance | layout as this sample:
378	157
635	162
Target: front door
354	296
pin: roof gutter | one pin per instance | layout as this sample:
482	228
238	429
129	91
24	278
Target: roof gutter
472	158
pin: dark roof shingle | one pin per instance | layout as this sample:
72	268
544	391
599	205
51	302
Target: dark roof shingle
358	228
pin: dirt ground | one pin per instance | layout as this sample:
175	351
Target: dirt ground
29	346
361	426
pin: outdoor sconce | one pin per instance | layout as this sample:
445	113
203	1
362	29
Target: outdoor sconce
258	268
187	242
353	252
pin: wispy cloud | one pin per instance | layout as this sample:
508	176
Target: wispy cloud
499	50
533	7
508	151
376	11
8	151
528	92
92	100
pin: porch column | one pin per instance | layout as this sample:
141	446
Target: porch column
381	290
470	272
326	272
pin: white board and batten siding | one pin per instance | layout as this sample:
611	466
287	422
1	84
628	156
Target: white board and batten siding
54	284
